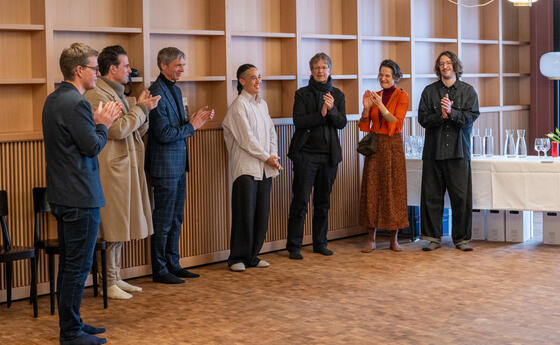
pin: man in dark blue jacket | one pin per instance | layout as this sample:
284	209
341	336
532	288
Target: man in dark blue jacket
73	139
166	162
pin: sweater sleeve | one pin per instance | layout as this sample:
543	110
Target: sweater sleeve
400	113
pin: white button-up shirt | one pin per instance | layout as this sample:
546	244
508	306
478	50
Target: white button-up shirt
250	137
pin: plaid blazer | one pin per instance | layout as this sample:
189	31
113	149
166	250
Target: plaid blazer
167	153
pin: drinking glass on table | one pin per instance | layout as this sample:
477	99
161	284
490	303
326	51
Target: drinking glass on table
538	146
545	145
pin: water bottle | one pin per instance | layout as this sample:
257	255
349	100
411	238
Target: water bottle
488	143
509	145
521	145
476	143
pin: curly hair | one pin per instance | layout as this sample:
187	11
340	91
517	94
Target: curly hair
457	65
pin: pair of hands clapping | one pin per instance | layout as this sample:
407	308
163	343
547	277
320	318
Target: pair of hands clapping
446	104
106	114
372	98
328	105
201	116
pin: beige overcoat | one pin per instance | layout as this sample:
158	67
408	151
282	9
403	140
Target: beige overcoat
127	214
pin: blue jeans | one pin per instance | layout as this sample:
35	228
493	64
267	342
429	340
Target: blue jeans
77	233
169	202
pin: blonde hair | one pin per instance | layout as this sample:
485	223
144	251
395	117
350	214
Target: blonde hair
76	55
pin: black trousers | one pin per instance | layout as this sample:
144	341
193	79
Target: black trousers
453	175
250	206
311	172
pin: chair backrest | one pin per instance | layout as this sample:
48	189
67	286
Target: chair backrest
40	205
4	213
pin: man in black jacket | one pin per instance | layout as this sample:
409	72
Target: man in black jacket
319	111
447	110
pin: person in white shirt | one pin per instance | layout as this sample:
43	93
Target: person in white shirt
253	159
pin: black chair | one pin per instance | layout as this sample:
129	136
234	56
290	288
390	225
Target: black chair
51	248
9	254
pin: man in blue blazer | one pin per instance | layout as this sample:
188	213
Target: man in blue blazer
166	162
73	139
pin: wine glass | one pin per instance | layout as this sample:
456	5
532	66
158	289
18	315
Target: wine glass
538	146
545	145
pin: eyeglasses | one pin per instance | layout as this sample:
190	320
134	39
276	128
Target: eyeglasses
95	68
441	64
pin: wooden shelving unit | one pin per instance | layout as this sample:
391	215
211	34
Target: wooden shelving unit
279	37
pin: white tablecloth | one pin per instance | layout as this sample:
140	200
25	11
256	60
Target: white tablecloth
502	183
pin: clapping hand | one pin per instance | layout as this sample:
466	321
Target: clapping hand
446	104
201	116
106	114
368	99
329	103
147	100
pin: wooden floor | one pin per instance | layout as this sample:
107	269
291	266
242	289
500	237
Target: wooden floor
498	294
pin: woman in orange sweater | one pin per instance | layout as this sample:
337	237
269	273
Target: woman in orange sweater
383	203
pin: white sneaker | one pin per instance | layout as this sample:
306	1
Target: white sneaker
263	264
238	267
114	292
128	287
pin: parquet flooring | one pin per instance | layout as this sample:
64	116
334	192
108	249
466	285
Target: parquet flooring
498	294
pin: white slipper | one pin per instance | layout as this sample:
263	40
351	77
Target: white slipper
238	267
263	264
128	287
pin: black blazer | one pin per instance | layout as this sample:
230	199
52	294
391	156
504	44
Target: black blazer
167	154
307	117
72	142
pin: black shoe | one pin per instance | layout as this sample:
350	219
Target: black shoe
183	273
167	278
296	255
324	251
84	339
92	330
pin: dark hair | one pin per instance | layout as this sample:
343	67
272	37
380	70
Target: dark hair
77	54
394	67
457	65
108	57
242	69
320	56
168	55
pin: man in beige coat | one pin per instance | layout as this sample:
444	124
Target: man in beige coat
127	214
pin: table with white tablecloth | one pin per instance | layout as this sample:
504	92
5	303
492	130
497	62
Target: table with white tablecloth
501	183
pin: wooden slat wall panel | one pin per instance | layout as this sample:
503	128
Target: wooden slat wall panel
206	222
206	225
22	167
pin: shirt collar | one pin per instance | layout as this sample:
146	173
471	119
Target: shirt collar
454	86
250	98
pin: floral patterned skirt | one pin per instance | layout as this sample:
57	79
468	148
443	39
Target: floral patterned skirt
383	202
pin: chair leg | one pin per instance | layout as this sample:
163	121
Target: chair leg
104	276
51	281
94	273
9	283
34	285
